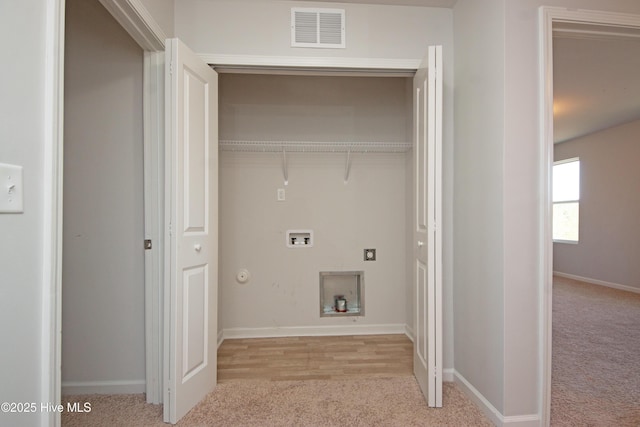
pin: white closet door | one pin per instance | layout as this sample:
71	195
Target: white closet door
191	284
427	359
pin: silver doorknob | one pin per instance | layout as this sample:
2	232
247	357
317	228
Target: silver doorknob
197	247
420	244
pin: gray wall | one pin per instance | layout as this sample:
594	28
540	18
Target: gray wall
22	140
103	269
478	214
609	207
254	27
163	13
366	212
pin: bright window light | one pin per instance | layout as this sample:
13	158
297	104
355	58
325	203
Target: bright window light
566	200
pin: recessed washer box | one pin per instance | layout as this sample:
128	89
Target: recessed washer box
299	238
341	293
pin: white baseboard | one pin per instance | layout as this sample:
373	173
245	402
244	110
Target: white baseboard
307	331
220	337
530	420
448	375
598	282
489	410
103	387
408	331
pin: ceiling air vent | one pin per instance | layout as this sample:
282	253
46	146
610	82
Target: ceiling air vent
312	27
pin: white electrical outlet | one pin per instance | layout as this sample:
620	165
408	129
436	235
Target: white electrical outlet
11	189
281	195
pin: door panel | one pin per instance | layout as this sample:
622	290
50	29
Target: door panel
420	359
427	278
196	153
194	321
191	286
421	326
421	151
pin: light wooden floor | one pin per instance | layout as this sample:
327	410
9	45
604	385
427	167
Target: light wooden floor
306	358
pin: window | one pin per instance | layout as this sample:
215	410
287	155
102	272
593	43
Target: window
566	200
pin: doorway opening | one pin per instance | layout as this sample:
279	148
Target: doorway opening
148	46
103	261
586	27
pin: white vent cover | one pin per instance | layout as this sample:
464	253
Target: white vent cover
313	27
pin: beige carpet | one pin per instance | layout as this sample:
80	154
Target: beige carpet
596	356
364	402
596	382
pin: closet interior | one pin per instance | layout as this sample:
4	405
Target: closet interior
315	203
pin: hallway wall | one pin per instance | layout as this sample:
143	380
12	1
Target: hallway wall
23	138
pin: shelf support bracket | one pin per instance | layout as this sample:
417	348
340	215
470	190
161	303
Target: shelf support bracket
347	166
285	171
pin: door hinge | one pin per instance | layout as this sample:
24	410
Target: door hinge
171	68
437	372
147	244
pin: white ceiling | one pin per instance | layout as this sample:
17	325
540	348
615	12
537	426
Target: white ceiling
596	79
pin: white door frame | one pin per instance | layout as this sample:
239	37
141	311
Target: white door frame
51	372
138	22
547	17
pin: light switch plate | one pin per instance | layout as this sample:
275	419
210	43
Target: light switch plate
11	192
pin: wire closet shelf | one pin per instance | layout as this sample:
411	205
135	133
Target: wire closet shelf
314	146
285	147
